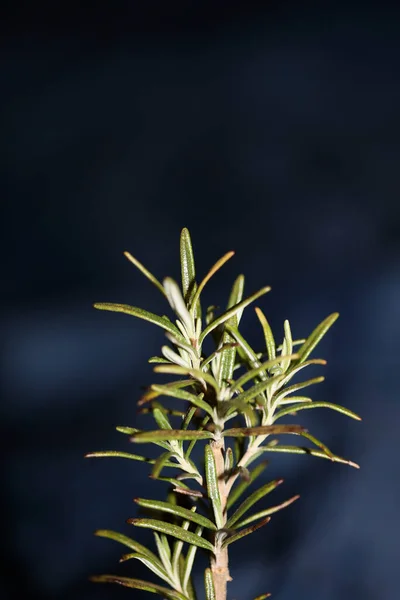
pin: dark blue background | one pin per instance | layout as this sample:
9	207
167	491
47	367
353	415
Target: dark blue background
273	131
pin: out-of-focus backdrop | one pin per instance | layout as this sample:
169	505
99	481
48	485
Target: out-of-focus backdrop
270	130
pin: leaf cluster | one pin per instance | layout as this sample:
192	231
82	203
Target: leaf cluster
235	398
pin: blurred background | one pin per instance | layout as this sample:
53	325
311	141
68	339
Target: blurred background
268	128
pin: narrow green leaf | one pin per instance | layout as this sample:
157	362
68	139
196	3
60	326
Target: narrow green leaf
263	597
238	535
184	395
158	360
227	356
191	411
188	270
315	337
268	335
248	395
195	373
229	461
212	486
178	304
177	551
245	351
126	541
296	387
176	510
295	400
145	272
318	443
164	551
207	278
337	407
151	394
252	499
267	512
170	434
154	567
174	531
188	565
231	312
244	484
193	442
117	454
139	584
126	430
209	585
309	451
161	462
162	322
161	419
262	430
295	369
211	357
254	372
287	347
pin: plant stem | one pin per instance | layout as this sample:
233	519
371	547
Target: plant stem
220	559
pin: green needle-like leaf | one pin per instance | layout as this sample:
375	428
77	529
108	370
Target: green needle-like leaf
297	407
116	453
188	565
262	430
296	387
145	272
267	512
263	597
210	273
209	585
309	451
293	370
244	484
254	372
243	532
227	356
183	395
176	510
212	486
195	373
245	351
174	531
268	335
252	499
162	322
170	434
161	419
315	337
139	584
161	462
126	541
154	567
188	270
231	312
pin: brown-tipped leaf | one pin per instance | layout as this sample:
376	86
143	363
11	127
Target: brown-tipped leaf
169	434
251	500
263	430
236	536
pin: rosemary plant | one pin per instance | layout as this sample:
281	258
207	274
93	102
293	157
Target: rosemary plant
233	401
